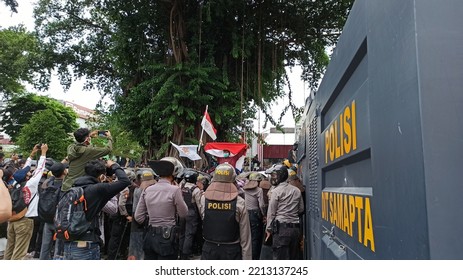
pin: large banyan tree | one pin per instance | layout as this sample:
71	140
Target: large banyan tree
163	61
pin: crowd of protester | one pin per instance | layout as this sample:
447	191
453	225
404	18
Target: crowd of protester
164	211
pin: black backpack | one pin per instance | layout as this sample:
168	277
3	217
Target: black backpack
70	221
19	197
49	198
188	195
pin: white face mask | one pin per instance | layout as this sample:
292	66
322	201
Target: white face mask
102	178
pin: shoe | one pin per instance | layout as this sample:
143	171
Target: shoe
31	254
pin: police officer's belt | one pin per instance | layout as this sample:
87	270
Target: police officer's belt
165	231
289	225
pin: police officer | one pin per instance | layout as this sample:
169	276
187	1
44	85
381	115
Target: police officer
162	203
145	178
285	205
226	229
192	196
255	204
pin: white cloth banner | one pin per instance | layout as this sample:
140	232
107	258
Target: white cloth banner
188	151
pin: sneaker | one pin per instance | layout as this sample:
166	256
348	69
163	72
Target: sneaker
30	254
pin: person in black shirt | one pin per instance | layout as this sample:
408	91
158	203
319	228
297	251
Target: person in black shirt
97	194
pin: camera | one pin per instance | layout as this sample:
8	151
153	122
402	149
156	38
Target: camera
102	133
39	146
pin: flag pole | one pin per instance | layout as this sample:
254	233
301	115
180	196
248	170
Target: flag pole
202	131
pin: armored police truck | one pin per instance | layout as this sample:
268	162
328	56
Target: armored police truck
381	144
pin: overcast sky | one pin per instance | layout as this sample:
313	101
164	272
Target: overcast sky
90	98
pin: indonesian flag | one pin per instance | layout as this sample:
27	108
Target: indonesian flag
208	126
188	151
236	156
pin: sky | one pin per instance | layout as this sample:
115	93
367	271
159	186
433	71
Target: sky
89	99
76	93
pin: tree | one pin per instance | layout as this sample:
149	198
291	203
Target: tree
13	4
124	143
20	108
21	60
45	127
164	61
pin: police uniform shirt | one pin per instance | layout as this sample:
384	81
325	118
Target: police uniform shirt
254	199
285	204
161	202
242	218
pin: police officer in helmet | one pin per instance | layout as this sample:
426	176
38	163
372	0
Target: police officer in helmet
162	203
226	229
192	196
285	206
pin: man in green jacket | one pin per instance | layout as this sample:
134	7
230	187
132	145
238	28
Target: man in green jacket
82	152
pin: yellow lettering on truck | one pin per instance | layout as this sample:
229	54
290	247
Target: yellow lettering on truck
349	212
341	135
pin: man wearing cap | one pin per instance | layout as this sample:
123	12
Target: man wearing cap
81	152
255	205
161	203
21	225
226	229
285	205
58	171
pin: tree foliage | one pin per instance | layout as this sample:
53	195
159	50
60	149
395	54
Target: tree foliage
21	60
124	143
164	61
21	108
13	4
45	127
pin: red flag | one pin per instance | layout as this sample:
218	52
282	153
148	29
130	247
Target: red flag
208	126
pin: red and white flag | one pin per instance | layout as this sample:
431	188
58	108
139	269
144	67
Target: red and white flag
232	153
208	126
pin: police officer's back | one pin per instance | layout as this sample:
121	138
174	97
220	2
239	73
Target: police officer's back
192	196
226	229
162	203
284	208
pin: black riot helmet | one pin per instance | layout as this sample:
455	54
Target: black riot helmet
190	175
278	174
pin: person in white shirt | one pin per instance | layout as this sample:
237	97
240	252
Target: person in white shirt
20	225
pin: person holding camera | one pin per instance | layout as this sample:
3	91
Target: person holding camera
97	192
82	151
21	224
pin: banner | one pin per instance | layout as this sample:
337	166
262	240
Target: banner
188	151
232	153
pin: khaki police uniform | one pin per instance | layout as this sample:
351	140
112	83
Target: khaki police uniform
285	205
226	229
